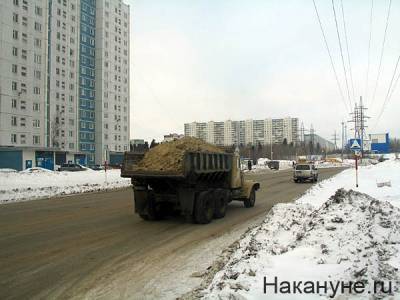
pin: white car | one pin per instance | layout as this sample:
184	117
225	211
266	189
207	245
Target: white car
303	172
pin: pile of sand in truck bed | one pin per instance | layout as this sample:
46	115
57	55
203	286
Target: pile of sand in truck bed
168	157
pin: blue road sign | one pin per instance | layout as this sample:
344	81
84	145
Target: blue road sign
355	144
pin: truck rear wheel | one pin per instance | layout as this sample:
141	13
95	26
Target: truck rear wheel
204	207
221	203
249	202
152	210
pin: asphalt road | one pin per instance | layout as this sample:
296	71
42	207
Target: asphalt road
66	247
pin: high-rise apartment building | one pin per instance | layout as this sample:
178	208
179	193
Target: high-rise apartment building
23	70
245	132
112	77
64	78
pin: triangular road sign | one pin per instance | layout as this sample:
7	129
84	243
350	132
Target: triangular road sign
355	145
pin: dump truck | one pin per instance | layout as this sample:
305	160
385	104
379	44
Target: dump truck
199	186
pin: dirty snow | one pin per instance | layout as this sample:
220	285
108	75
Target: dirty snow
331	233
37	183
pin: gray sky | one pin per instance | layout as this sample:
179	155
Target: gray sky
216	60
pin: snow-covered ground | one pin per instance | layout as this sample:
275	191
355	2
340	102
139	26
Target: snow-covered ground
262	166
40	183
335	233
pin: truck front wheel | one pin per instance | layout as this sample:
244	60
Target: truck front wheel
249	202
204	207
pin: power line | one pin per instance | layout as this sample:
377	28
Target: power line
390	90
369	48
347	48
330	56
341	52
382	50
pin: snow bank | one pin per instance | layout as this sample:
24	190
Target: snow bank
369	176
350	236
37	183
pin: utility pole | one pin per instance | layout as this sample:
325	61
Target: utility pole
359	119
363	121
271	147
312	138
334	139
343	139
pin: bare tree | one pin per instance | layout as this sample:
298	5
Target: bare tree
55	131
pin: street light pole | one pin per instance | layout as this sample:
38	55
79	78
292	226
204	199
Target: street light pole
271	147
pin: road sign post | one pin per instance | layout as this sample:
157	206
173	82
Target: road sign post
356	147
356	170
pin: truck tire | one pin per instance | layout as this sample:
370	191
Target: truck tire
249	202
221	203
153	210
204	207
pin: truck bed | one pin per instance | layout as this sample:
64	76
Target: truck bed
193	164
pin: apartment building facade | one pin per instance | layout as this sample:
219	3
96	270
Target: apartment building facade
245	132
64	79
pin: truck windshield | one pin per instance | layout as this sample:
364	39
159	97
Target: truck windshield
302	167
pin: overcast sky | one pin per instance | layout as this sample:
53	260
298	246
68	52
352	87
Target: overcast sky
216	60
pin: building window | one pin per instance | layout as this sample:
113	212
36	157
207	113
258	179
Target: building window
13	103
15	51
13	121
38	43
15	17
36	90
36	107
14	86
14	68
15	34
36	123
38	10
22	122
37	59
37	74
13	138
23	138
36	139
38	26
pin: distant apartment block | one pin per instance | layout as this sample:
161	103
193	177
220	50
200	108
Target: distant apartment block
64	78
245	132
172	137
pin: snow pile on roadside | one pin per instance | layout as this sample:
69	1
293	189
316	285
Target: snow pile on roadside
37	183
262	166
352	237
286	164
263	161
338	164
6	170
369	176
